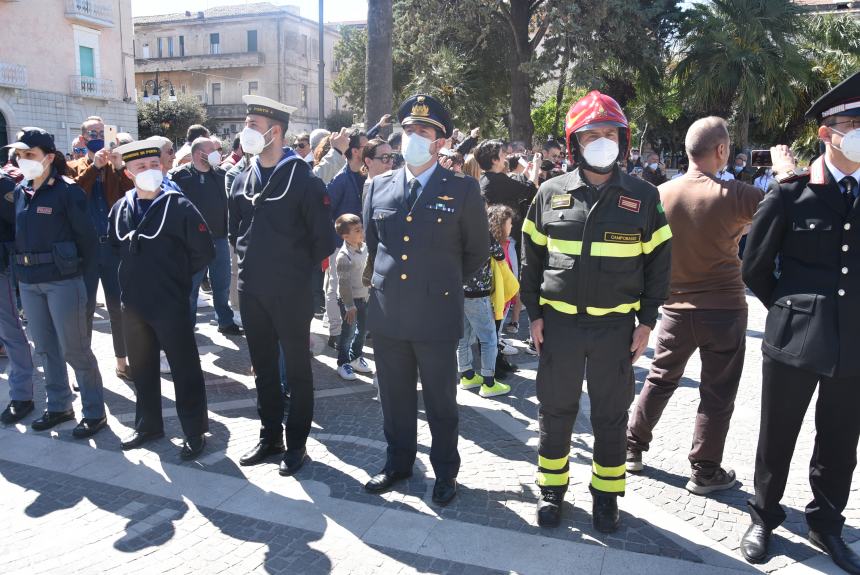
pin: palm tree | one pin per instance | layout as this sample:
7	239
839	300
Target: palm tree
739	57
378	72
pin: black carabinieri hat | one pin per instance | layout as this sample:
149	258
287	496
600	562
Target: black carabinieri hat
842	100
424	109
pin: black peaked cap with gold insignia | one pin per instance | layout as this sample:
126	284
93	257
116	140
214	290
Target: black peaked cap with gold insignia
424	109
842	100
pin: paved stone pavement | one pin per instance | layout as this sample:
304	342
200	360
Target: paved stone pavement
87	507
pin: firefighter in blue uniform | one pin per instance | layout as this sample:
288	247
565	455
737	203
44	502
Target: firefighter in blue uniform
597	258
55	244
162	242
280	226
811	221
426	230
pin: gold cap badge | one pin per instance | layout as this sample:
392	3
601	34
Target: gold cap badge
420	108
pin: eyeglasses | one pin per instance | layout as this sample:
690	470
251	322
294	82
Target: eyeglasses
92	134
855	124
79	150
301	145
385	158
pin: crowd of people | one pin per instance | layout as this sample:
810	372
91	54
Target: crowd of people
431	240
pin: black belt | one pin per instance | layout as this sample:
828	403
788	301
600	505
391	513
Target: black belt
34	259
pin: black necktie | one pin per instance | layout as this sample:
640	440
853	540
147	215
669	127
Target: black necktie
412	196
848	185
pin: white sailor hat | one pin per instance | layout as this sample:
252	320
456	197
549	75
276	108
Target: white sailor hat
261	106
139	150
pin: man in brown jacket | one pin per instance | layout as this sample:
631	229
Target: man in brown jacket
101	175
706	309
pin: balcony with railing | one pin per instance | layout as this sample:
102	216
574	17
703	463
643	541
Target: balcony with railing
200	62
13	75
87	87
226	111
91	12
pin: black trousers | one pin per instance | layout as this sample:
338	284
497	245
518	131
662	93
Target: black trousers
269	320
398	363
599	349
786	393
175	336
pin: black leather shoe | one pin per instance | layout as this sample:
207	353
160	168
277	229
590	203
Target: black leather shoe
51	418
604	513
140	438
835	546
383	480
549	506
444	491
231	329
89	427
16	411
192	447
292	461
264	448
754	543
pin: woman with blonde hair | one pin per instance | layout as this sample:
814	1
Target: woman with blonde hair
471	167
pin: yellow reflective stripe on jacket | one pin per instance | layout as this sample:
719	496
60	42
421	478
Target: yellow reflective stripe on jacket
623	308
616	471
608	485
530	229
657	238
553	479
552	464
610	250
564	307
569	247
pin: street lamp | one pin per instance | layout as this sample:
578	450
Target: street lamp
158	87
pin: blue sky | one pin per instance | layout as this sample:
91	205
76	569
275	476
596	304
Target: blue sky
334	10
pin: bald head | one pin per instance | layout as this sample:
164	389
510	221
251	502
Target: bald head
705	135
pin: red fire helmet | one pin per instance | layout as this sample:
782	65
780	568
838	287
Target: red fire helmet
593	110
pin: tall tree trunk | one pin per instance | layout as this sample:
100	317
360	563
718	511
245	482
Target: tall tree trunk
559	92
522	127
742	130
378	75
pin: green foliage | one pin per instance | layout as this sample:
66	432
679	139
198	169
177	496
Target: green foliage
337	120
170	119
351	53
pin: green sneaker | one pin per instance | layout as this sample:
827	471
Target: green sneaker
498	388
471	383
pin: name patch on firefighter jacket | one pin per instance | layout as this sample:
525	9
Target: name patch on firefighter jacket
620	238
560	201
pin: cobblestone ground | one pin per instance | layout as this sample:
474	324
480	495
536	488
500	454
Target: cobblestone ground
87	507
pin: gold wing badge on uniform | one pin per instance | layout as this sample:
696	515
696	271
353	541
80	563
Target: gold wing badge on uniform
445	198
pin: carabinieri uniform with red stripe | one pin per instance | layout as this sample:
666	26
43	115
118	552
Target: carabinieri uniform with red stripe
595	261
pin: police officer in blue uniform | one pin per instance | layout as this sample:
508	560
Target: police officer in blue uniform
11	332
426	230
162	242
55	244
280	226
811	221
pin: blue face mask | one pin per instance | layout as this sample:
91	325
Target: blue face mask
95	145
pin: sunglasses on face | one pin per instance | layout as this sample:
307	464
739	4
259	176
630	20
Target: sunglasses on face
301	145
79	150
385	158
92	134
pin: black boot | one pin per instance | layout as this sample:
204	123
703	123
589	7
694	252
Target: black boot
549	506
835	546
605	512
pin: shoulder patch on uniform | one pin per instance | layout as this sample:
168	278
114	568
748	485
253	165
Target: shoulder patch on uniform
660	208
10	197
560	201
629	204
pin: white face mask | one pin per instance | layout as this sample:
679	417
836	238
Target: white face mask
416	149
148	180
653	166
214	158
850	146
252	141
31	169
634	157
601	153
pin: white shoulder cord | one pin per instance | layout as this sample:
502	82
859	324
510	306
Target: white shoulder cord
253	199
130	235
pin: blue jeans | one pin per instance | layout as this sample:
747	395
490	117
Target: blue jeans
351	339
56	314
106	269
17	347
478	323
220	274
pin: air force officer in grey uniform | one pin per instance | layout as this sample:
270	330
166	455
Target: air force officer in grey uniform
426	232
